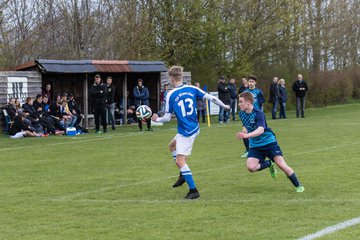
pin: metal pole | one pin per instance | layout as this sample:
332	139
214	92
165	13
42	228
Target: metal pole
125	99
85	99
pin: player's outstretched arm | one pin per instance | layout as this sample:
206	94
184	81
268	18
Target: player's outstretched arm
165	118
257	132
216	101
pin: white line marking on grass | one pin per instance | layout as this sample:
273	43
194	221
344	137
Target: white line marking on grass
332	229
105	189
228	201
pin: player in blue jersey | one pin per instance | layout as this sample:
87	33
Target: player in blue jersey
181	100
262	141
259	100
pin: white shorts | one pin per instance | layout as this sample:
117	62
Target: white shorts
184	144
18	135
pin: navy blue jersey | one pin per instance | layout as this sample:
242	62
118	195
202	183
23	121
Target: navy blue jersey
251	122
259	98
182	101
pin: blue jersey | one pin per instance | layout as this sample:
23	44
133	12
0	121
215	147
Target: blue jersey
258	97
182	101
251	122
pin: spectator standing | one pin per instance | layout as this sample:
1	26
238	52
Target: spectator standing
233	97
224	96
300	88
141	97
274	96
110	104
282	98
244	85
200	106
163	95
98	94
47	92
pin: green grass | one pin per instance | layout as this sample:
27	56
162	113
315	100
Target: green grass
118	185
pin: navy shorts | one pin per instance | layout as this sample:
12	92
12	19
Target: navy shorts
271	150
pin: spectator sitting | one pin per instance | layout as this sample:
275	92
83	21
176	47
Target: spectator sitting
75	110
11	109
19	129
68	118
18	105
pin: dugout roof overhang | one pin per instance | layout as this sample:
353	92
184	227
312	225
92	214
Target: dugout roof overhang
93	66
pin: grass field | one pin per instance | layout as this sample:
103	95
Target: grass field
118	185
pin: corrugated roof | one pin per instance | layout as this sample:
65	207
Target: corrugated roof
147	66
65	66
93	66
111	66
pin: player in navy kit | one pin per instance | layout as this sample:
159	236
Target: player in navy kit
259	100
181	100
262	141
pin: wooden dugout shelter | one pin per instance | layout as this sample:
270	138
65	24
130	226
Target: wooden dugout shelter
77	76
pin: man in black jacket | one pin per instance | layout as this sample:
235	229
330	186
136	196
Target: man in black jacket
75	110
98	95
224	96
233	97
110	104
300	88
274	96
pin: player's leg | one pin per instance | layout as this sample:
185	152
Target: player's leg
256	160
280	162
172	148
246	144
254	164
183	149
187	175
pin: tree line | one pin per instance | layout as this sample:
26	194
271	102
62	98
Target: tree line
235	38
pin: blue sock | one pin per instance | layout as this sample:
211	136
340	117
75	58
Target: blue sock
174	155
186	172
294	180
264	164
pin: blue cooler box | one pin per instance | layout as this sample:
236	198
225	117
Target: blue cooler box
71	131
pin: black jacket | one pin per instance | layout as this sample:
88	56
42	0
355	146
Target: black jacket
11	110
17	126
296	88
224	93
72	106
110	94
98	93
274	92
283	94
232	90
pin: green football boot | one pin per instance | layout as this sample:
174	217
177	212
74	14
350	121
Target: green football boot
300	189
273	171
245	154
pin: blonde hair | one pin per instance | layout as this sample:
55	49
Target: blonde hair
282	81
176	72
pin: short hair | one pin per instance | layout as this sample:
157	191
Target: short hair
176	72
282	81
109	77
28	99
252	78
140	80
97	76
247	96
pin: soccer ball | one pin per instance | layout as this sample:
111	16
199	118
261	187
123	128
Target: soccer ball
143	113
